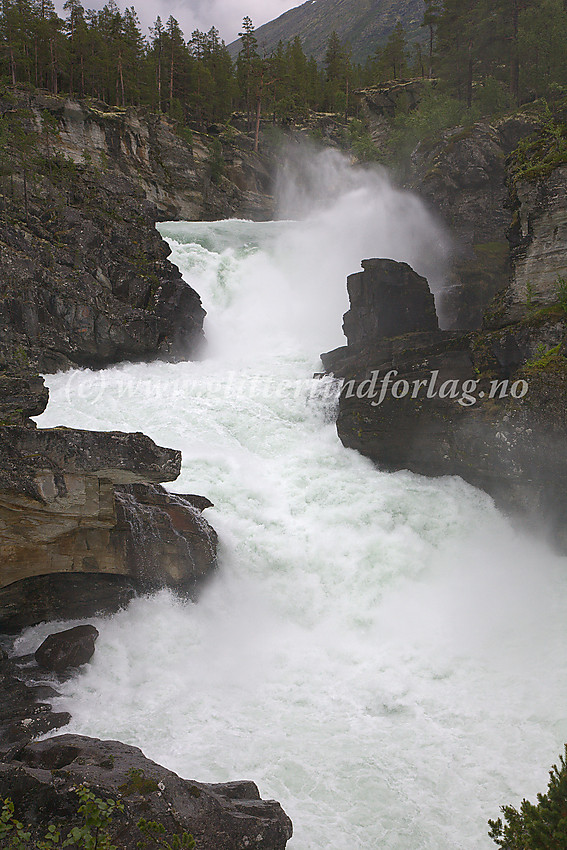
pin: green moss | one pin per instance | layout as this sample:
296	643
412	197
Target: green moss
545	314
138	783
548	360
492	250
540	154
186	134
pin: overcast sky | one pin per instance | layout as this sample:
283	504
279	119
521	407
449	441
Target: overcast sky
226	15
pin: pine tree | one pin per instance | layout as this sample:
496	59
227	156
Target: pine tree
433	9
394	55
248	64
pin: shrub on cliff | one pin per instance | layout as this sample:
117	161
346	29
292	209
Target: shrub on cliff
93	831
541	826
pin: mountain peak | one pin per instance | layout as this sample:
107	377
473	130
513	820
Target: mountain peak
362	24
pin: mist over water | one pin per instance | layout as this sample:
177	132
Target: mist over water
358	213
384	654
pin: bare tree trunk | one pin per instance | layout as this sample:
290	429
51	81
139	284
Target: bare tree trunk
258	114
171	82
121	77
515	63
470	77
72	57
53	67
12	66
159	76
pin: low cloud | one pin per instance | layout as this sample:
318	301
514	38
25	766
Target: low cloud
225	15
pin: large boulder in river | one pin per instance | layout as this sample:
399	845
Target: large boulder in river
69	649
487	406
387	299
42	778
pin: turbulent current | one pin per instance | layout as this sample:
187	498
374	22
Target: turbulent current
383	654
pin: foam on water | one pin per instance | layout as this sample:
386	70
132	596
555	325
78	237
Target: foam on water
384	654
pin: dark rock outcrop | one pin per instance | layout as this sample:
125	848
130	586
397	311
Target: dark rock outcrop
22	394
506	439
69	649
85	280
387	299
25	705
84	525
41	777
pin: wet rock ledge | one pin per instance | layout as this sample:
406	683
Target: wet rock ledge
41	779
84	524
509	442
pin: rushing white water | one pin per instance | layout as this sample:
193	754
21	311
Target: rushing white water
384	654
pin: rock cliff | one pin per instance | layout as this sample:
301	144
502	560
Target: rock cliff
83	523
171	165
42	779
463	177
462	174
487	406
538	240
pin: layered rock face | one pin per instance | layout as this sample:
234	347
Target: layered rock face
463	177
538	241
86	280
83	524
510	443
42	777
84	275
173	170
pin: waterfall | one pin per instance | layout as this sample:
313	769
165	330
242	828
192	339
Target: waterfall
384	654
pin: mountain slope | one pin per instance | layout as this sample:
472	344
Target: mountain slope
364	24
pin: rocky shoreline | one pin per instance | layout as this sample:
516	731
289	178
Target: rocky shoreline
508	437
85	524
41	778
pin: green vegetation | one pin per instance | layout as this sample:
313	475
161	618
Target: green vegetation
360	141
138	783
545	357
94	831
216	161
542	826
155	833
561	291
538	155
435	113
92	834
506	53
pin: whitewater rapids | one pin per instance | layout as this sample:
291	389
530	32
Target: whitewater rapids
383	654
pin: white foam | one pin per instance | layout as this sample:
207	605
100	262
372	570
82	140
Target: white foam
383	654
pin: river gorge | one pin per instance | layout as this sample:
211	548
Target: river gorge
382	653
